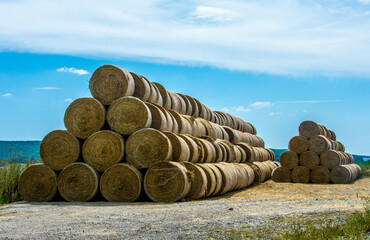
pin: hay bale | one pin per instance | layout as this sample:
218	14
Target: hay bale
164	94
180	149
103	149
159	99
298	144
243	178
121	182
208	150
332	158
251	156
199	130
227	178
211	179
109	83
289	159
142	87
309	159
37	183
344	174
194	148
59	148
78	182
301	174
320	144
198	180
234	174
194	106
159	120
166	182
282	174
183	125
188	106
148	146
128	114
320	174
84	116
250	173
218	176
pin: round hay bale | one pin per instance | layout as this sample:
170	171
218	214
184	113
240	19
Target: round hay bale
320	144
164	94
218	176
264	171
211	179
298	144
159	99
169	119
198	181
159	120
257	173
59	148
271	166
282	174
340	146
218	151
183	125
194	106
166	182
251	157
109	83
234	174
289	159
183	106
128	114
142	87
227	178
201	150
84	116
175	126
301	174
188	105
320	174
37	183
148	146
243	178
209	151
309	129
309	159
121	183
195	150
332	158
78	182
243	154
344	174
175	102
180	149
103	149
199	130
250	173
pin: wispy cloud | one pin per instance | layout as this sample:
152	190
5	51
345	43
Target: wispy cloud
225	109
242	109
312	101
68	100
46	88
275	113
7	95
364	1
279	37
73	70
259	105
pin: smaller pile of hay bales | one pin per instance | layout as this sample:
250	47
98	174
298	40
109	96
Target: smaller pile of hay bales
315	156
135	140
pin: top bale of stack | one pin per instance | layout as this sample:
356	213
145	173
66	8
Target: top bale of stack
309	129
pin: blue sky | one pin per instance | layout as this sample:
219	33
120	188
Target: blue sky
272	63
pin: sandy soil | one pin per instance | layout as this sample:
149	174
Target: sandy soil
252	209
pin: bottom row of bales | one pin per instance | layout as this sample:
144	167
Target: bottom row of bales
341	174
164	181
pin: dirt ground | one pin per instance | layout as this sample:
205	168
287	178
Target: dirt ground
266	206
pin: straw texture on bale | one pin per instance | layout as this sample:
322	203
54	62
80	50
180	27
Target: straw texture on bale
250	173
121	183
166	182
320	144
211	179
309	159
165	95
59	148
142	87
282	174
289	159
37	183
344	174
320	174
103	149
262	171
301	174
128	114
227	178
298	144
195	151
109	83
332	158
180	149
198	181
218	176
159	120
78	182
309	129
147	146
158	100
84	116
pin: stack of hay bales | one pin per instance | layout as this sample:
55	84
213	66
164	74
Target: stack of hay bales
315	156
134	135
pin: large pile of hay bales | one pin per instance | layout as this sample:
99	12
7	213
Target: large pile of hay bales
316	156
135	140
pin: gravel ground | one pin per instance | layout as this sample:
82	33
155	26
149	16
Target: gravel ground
182	220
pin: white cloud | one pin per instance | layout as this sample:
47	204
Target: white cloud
259	105
312	101
213	14
242	109
225	109
68	100
73	70
305	110
7	95
278	37
275	113
46	88
364	1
